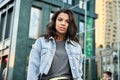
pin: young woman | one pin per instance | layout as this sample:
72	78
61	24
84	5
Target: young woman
57	55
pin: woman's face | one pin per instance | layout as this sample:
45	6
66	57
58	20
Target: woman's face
62	23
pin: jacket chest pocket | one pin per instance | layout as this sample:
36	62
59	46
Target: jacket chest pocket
44	54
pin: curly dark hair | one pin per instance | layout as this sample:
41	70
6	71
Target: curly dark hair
108	73
72	28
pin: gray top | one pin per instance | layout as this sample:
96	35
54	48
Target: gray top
60	65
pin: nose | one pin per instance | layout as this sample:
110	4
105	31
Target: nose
63	22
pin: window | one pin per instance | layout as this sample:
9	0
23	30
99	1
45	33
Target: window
88	5
81	33
68	1
81	26
2	23
8	24
5	22
81	4
114	35
109	29
35	22
51	14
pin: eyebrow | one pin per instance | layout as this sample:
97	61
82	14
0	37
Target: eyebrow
59	17
62	18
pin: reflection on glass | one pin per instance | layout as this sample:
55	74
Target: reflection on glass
35	22
68	1
81	33
82	4
81	26
51	14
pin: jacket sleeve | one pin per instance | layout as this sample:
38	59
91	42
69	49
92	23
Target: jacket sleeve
34	61
81	63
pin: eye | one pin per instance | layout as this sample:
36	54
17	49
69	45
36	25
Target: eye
59	19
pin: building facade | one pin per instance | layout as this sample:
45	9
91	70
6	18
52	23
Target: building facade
108	36
107	24
23	21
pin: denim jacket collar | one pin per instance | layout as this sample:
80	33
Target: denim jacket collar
52	38
68	41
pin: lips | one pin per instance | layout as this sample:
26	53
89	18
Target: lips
62	29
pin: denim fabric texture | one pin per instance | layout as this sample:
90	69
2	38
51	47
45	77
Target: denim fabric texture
42	54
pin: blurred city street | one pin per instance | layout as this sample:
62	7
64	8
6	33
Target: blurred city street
24	21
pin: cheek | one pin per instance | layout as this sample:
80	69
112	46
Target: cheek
56	27
67	26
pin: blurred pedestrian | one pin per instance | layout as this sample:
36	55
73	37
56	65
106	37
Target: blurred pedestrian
107	75
4	73
57	55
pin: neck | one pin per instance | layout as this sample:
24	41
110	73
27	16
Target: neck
60	38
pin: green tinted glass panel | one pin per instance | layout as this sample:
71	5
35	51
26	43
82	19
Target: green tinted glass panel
89	37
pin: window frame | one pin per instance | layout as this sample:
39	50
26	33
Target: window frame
38	26
5	25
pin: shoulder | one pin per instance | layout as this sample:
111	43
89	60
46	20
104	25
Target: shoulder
41	39
76	44
38	42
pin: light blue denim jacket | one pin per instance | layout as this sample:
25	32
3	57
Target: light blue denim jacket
42	54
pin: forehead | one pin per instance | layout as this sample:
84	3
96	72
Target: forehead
105	75
63	15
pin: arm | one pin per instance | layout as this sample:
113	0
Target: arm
34	61
81	63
